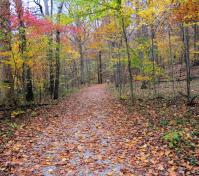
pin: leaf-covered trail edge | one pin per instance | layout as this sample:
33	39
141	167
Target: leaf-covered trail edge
90	133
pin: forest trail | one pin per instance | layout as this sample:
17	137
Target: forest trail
90	133
87	137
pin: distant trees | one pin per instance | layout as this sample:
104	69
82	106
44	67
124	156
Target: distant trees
151	39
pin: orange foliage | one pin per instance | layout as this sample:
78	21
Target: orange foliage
187	12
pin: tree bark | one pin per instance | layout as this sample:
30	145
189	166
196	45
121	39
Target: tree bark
100	80
51	66
123	28
49	13
129	59
171	59
57	55
196	38
187	61
153	59
81	62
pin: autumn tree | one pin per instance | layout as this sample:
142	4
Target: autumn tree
27	74
6	86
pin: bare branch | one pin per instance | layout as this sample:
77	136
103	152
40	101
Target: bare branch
40	6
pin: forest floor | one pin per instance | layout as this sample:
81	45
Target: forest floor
92	133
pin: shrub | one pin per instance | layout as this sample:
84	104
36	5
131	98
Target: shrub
173	138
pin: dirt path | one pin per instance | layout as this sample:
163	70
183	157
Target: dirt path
89	134
83	139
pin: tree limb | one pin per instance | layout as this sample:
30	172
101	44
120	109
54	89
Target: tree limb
40	7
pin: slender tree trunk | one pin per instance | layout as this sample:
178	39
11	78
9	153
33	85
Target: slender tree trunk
29	87
57	66
22	49
123	28
49	13
187	60
129	59
171	58
153	59
196	48
119	74
100	80
81	63
51	66
57	56
76	74
97	65
120	68
46	7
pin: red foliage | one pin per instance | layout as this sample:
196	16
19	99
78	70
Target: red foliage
38	26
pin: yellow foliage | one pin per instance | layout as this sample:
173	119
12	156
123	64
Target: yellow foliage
4	54
142	78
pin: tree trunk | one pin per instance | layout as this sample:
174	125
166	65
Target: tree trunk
46	7
129	59
51	66
81	63
187	60
57	66
171	59
22	48
100	80
29	94
123	28
153	59
196	48
57	56
7	90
